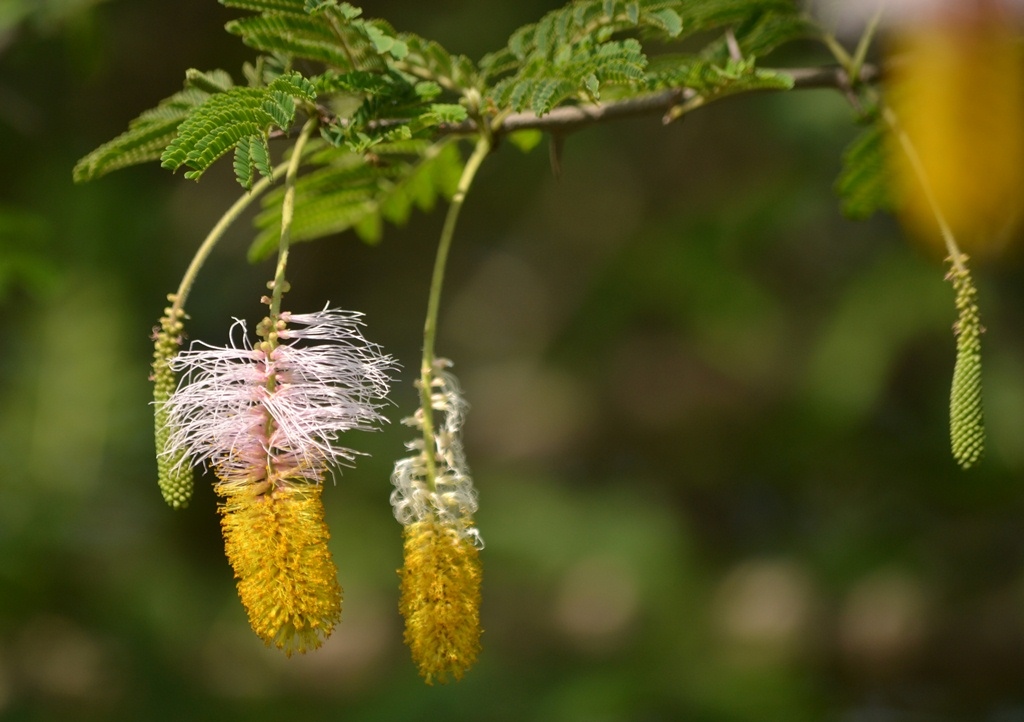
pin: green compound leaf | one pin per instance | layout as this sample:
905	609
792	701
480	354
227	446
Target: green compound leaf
577	53
570	53
966	417
429	58
346	190
293	35
864	185
238	115
216	81
318	6
324	31
703	15
375	108
711	81
764	27
385	42
440	114
667	20
149	134
281	107
251	155
544	83
265	5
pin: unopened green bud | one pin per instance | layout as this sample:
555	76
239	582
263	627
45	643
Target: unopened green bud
174	473
966	418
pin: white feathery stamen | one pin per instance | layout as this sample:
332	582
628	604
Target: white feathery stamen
256	418
453	501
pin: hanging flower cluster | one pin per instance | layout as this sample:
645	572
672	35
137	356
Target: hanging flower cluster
266	418
434	500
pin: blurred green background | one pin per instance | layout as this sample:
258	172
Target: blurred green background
708	426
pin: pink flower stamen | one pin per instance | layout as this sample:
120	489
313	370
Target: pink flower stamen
256	417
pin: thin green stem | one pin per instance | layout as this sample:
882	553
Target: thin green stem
859	55
174	476
268	327
483	147
956	256
837	50
216	233
427	74
288	214
852	64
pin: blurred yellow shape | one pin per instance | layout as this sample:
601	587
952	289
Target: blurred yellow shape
957	90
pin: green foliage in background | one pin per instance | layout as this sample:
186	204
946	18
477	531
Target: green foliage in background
382	94
707	412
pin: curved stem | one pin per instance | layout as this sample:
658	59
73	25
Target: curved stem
852	64
956	256
838	51
861	53
216	233
483	147
288	214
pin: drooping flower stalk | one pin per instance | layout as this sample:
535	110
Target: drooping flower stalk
174	476
483	147
955	112
434	499
966	417
266	418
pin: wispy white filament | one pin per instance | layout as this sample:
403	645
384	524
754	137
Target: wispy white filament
257	417
453	500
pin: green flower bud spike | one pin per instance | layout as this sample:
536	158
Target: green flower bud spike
173	475
966	420
174	472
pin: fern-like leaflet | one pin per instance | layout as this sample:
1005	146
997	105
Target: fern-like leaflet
386	100
864	184
758	28
570	53
149	134
324	31
709	81
577	51
238	115
429	60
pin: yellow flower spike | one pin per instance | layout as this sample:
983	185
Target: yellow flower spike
287	581
441	600
434	500
957	89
